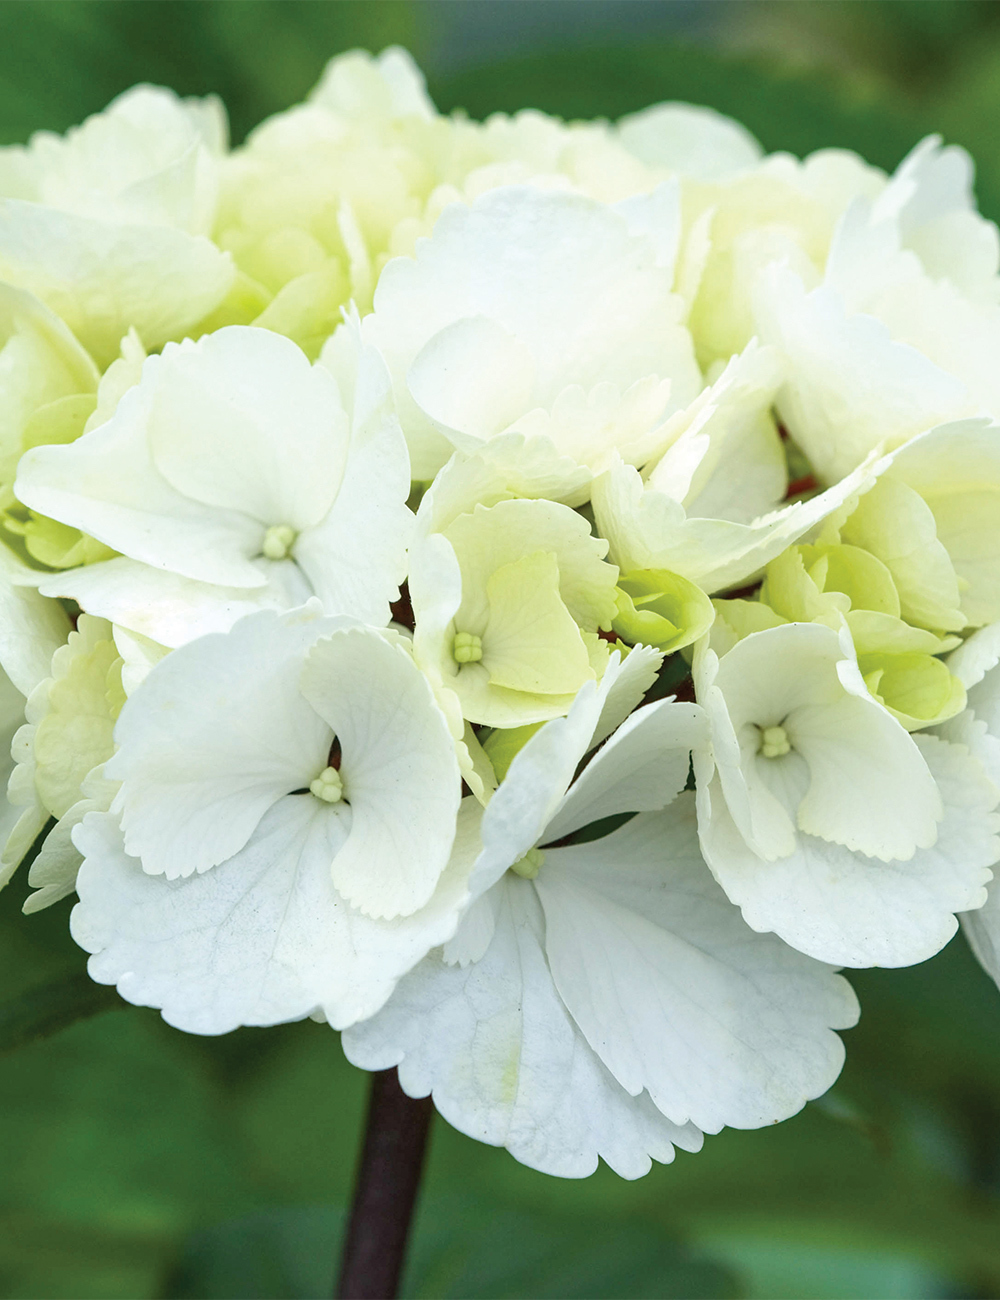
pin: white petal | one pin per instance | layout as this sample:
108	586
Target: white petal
505	1063
695	141
355	558
641	769
763	821
399	770
976	657
956	469
650	530
674	992
533	788
845	908
982	929
170	609
31	630
850	386
657	216
472	380
216	734
557	272
623	688
510	465
262	939
870	789
728	461
241	421
106	485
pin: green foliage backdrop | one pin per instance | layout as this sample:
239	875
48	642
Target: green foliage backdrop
138	1161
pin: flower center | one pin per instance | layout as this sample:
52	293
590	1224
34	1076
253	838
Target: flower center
467	648
529	866
774	742
328	786
278	541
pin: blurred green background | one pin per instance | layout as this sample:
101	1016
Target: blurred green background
136	1161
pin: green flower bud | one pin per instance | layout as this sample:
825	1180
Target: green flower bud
661	609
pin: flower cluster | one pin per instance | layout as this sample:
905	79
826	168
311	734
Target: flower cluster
526	594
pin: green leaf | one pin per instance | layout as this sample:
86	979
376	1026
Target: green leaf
272	1255
462	1248
45	1010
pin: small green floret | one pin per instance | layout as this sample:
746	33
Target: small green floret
774	742
661	609
328	786
467	648
529	866
278	541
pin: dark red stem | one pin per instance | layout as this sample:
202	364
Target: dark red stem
385	1191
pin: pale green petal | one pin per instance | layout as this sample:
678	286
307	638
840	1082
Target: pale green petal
510	465
917	689
74	733
861	576
32	628
794	595
530	641
101	278
896	525
956	471
735	619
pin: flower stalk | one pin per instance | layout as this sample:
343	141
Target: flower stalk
385	1191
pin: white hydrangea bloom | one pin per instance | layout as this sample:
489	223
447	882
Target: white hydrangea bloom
595	353
234	476
821	817
604	999
545	312
109	224
250	873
